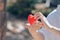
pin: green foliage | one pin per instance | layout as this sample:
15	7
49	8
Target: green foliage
22	8
47	11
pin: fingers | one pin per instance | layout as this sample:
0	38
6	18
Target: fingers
37	24
34	27
39	15
30	27
27	25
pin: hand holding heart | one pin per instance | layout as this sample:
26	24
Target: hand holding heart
43	20
33	23
32	19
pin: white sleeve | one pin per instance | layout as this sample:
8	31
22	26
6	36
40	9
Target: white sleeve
52	20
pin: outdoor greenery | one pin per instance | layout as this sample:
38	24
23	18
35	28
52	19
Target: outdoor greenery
22	8
47	11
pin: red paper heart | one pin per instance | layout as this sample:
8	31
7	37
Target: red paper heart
31	19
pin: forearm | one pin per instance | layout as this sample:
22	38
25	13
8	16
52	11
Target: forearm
36	35
53	30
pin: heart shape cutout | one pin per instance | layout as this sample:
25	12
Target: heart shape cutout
31	19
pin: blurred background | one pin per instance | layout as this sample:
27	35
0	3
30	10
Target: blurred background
17	13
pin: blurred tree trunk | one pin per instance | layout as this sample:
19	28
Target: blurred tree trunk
3	20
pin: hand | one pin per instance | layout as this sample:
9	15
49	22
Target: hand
34	27
38	15
44	21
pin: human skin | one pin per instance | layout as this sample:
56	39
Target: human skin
49	27
32	29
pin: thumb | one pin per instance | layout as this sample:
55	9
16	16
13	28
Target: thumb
27	25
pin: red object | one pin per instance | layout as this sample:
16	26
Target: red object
31	19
